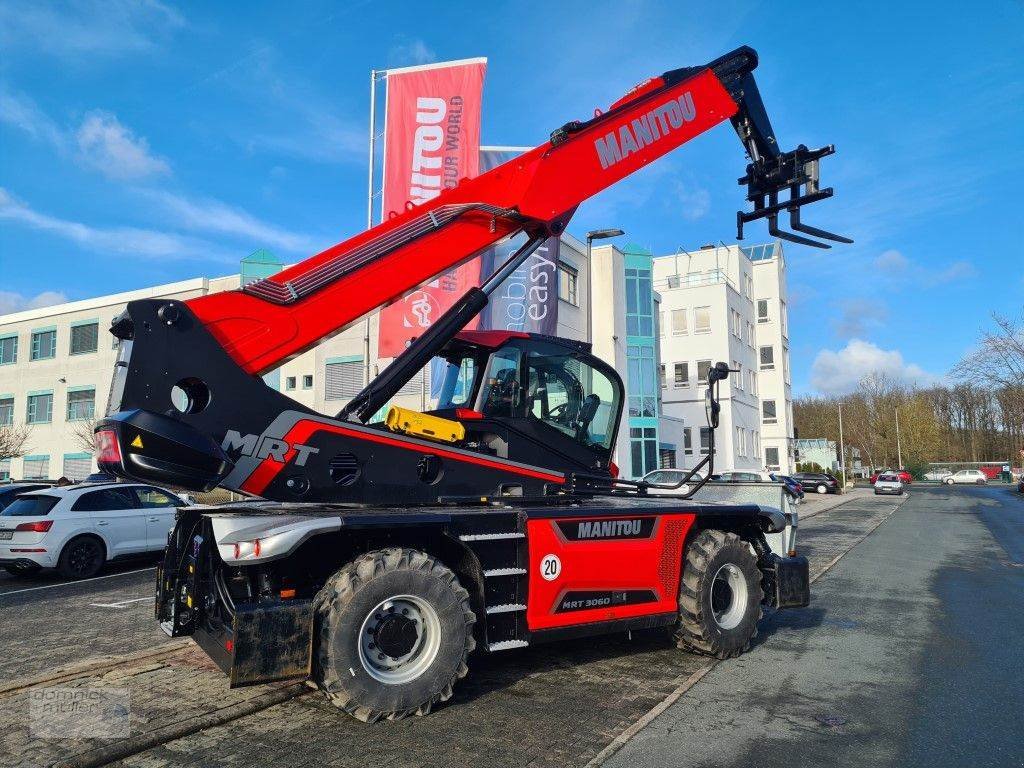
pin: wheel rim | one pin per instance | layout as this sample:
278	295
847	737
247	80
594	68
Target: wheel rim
399	639
728	596
84	557
822	489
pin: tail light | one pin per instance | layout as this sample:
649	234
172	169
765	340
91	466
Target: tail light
108	450
41	526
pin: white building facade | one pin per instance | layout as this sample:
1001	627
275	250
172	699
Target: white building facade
728	304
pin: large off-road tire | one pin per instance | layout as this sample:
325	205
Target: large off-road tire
719	596
81	558
392	633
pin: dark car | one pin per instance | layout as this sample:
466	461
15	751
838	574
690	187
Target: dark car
794	488
1020	485
9	493
818	482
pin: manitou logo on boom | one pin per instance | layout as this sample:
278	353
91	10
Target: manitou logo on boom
643	131
266	447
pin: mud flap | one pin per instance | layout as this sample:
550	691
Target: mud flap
790	582
267	642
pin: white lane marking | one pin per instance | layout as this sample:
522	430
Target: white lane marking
121	603
73	583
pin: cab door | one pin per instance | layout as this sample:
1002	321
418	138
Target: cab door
159	508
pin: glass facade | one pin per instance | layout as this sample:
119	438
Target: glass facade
642	385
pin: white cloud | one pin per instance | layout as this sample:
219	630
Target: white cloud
859	316
892	261
87	30
694	201
110	147
19	111
894	266
408	53
130	241
16	302
208	215
834	373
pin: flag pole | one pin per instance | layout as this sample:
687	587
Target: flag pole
369	212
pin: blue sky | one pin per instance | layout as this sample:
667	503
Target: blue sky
148	142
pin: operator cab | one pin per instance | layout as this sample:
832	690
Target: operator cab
523	395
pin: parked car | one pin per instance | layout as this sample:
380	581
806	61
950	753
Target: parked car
967	476
938	474
669	477
1020	485
757	476
9	493
818	482
905	476
78	528
889	483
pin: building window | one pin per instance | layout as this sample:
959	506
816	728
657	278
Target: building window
84	338
35	467
666	458
736	375
662	379
343	379
40	408
44	344
771	459
77	466
115	342
753	382
703	366
785	364
81	404
741	442
679	326
568	284
289	382
768	413
639	298
661	323
768	358
784	319
737	323
702	319
705	441
762	310
682	375
6	411
5	469
8	350
643	443
307	381
750	335
641	381
688	441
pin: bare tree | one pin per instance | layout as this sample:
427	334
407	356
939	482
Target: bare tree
82	433
13	441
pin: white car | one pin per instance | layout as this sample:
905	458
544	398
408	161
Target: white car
937	474
968	476
889	483
669	477
78	528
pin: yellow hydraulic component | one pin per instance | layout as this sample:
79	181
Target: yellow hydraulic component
423	425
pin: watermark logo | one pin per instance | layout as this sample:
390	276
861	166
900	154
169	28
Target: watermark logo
64	712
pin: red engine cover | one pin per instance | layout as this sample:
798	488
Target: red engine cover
584	570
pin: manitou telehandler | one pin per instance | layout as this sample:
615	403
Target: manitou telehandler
376	556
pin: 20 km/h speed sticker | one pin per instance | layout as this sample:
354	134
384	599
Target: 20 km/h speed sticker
550	567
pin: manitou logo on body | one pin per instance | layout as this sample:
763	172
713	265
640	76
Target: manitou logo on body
643	131
588	530
266	447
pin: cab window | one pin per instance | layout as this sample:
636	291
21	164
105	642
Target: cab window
500	394
572	397
457	381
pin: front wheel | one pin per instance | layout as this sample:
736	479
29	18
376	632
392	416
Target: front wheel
393	630
822	488
719	596
948	482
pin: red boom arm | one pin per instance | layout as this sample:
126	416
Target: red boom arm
279	319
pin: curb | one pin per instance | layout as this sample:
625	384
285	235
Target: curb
849	497
685	685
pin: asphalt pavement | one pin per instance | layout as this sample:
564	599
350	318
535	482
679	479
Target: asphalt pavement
910	655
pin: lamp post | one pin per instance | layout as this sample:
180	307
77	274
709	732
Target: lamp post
899	449
842	446
595	234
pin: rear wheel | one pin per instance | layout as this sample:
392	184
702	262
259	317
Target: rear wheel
393	632
822	488
719	596
81	558
948	481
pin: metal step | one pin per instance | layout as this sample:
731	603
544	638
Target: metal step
506	645
493	572
506	608
491	536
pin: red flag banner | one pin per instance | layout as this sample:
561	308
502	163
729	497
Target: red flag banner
431	140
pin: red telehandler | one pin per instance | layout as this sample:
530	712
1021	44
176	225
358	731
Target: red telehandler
375	556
